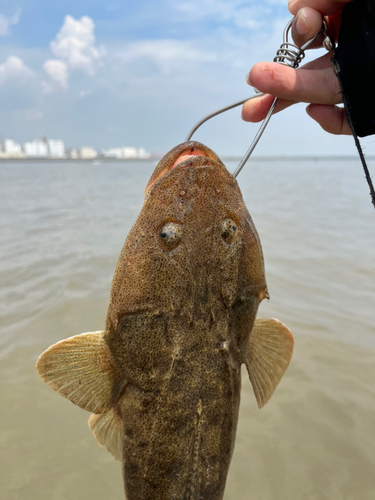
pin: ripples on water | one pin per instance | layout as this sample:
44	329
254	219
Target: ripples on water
62	228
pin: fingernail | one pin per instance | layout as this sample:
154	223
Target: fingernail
247	78
301	24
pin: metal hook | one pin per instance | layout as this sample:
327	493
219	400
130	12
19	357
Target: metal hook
289	55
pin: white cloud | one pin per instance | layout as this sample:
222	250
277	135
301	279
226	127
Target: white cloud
57	71
75	44
16	70
215	8
6	22
168	55
250	15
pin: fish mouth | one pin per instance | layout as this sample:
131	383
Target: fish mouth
184	155
192	153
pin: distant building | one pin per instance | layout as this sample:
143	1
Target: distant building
129	153
12	148
87	153
72	153
126	153
56	148
112	153
36	149
143	154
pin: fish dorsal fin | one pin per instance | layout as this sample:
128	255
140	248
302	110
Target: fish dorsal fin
269	351
107	428
81	368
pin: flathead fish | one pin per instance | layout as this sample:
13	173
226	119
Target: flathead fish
163	379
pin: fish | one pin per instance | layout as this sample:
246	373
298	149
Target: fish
163	379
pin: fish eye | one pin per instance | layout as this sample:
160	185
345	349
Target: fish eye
170	234
229	230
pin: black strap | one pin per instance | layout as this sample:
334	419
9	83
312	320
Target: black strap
350	121
354	64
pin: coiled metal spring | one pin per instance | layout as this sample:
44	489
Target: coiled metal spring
289	55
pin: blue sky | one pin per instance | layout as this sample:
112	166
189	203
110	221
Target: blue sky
142	73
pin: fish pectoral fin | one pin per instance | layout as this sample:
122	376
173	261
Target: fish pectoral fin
107	428
81	368
268	354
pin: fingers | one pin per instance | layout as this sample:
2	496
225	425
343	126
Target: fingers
330	118
306	25
314	83
256	110
325	7
318	85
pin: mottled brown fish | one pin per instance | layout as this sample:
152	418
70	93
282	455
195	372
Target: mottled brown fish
163	380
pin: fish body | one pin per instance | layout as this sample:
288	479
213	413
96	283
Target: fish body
163	380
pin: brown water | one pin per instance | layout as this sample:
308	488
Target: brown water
62	228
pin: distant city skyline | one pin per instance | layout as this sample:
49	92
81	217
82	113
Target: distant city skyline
55	149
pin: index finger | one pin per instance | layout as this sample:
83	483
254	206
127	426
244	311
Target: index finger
325	7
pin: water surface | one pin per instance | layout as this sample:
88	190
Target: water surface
62	228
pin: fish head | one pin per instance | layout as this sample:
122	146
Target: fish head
194	245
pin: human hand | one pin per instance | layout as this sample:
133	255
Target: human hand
314	83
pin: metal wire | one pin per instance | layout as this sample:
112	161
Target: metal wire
222	110
289	55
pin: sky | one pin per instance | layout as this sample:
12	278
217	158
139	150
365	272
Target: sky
110	74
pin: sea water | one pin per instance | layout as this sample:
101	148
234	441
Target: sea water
62	226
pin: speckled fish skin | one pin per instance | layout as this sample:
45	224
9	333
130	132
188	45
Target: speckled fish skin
163	380
177	326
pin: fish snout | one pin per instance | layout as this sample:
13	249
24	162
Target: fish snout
186	154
